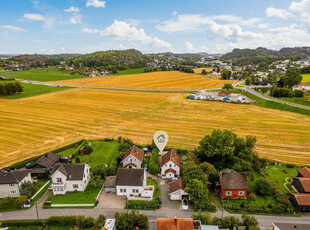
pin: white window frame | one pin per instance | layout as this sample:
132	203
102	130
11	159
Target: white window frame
241	193
228	193
75	186
13	192
58	179
11	185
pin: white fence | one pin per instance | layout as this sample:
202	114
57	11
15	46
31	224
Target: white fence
40	190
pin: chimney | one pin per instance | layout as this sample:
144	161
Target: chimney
175	223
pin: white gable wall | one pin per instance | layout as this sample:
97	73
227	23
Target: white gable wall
132	159
177	195
169	165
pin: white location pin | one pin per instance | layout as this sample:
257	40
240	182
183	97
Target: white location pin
160	139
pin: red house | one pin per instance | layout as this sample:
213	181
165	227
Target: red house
233	184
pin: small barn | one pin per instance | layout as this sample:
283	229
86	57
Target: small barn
109	184
301	201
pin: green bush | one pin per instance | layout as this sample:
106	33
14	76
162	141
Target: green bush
62	220
281	92
113	167
298	93
252	196
263	187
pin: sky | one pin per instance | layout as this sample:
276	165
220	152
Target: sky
151	26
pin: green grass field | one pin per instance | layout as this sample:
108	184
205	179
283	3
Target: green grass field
299	100
129	71
86	197
306	77
278	173
104	152
32	90
43	74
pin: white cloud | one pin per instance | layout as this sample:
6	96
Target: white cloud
72	9
280	13
134	22
189	47
121	30
174	13
95	3
34	17
303	7
75	19
196	22
13	28
90	31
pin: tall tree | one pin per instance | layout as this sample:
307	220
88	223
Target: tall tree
292	77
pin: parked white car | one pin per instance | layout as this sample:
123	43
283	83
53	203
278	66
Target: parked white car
184	204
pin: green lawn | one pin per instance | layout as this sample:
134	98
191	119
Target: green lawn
306	77
278	106
260	199
129	71
86	197
43	74
32	90
278	173
68	151
305	100
104	152
150	181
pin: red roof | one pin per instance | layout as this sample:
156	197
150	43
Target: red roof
172	224
305	172
303	199
171	156
134	151
305	182
305	84
176	185
130	164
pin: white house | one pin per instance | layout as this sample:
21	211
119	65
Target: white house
70	178
302	86
170	165
133	158
130	182
176	190
10	182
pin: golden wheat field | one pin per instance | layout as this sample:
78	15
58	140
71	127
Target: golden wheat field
208	69
35	125
161	80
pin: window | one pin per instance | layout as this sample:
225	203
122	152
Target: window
13	192
130	160
87	171
75	186
59	180
135	191
175	165
228	193
123	190
170	165
11	185
240	193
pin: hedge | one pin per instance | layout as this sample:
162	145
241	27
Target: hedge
154	167
142	204
62	220
24	162
23	223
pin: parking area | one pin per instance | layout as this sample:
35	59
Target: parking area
166	202
110	200
220	96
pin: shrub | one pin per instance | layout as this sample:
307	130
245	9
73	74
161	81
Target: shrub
88	222
298	93
20	201
154	167
252	196
22	223
99	223
249	221
62	220
263	187
227	86
204	217
27	189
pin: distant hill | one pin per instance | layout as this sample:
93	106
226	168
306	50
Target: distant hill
130	58
263	52
35	60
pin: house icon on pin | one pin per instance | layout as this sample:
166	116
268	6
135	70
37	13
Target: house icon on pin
161	138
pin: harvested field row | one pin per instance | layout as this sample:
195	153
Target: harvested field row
35	125
162	80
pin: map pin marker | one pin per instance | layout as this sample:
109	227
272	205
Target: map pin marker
160	139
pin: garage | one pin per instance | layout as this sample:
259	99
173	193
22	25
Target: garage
109	185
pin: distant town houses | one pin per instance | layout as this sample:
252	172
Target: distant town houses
11	182
233	184
170	164
133	158
302	86
70	178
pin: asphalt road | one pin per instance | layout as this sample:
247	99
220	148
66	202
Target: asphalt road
264	221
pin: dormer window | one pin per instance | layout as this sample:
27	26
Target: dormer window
59	180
